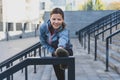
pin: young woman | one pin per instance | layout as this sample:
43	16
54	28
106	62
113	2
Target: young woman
55	37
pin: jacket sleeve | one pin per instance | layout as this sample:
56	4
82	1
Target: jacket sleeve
43	39
63	38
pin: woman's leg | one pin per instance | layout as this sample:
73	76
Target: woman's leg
59	72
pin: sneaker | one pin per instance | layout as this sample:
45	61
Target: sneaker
61	52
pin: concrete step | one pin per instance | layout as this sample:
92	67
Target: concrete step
112	47
115	56
115	47
53	76
114	64
47	73
31	75
101	54
116	41
44	72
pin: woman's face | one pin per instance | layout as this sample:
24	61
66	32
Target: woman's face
56	20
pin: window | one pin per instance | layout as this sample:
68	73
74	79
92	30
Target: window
26	26
0	10
42	6
18	26
1	26
10	26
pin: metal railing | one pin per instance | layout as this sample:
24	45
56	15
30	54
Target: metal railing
96	37
104	21
23	59
29	52
97	28
70	61
107	47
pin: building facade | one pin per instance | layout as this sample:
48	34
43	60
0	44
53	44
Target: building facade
18	15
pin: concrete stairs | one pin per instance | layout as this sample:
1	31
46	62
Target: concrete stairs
44	72
114	52
31	75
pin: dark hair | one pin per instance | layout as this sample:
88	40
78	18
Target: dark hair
58	11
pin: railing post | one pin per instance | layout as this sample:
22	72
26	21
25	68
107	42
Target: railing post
107	53
95	48
103	34
71	70
79	36
26	71
110	33
12	74
84	40
8	78
88	43
35	65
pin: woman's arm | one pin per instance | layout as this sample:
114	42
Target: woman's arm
63	38
43	39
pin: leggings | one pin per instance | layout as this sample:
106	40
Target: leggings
60	74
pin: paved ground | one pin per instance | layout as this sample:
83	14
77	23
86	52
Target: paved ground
85	68
11	47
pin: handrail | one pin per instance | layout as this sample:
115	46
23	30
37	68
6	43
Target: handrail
107	24
97	28
70	61
116	20
103	23
109	19
107	48
96	36
101	20
19	55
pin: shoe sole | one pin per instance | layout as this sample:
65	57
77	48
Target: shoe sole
62	52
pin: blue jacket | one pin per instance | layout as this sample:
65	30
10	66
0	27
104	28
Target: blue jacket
60	37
